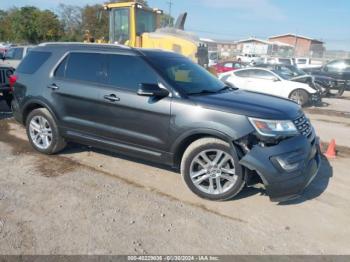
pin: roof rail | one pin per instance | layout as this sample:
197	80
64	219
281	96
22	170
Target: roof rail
82	43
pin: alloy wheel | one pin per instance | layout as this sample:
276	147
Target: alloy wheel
40	132
213	172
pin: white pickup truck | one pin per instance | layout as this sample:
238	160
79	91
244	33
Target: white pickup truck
306	63
250	58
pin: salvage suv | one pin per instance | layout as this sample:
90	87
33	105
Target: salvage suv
162	107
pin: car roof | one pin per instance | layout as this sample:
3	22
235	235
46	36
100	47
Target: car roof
105	47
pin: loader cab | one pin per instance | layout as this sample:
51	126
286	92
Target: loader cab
129	20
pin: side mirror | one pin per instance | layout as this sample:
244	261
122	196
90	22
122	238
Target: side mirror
152	90
276	79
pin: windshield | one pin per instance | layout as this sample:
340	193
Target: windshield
187	76
145	21
288	72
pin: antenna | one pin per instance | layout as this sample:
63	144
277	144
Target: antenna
170	3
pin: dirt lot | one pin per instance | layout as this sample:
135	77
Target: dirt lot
87	201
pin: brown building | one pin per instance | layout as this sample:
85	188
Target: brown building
303	46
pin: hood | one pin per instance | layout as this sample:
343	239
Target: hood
250	104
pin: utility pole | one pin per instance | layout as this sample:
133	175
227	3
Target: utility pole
170	3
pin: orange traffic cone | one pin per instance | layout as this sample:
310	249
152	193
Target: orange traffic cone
331	152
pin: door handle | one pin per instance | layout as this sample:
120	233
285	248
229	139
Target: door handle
53	87
112	98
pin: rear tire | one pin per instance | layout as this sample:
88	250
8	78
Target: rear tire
300	96
43	133
211	169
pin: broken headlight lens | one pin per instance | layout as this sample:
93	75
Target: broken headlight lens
273	128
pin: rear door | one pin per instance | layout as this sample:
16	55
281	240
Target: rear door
74	90
140	123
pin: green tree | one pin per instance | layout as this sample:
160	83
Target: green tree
95	20
5	28
50	28
71	22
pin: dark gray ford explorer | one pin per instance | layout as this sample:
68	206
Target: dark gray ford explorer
161	107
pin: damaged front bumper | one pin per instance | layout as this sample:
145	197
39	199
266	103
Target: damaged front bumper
286	169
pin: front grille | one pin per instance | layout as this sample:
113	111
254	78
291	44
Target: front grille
303	125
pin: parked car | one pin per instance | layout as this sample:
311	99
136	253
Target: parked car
250	58
278	60
14	55
306	63
162	107
339	71
6	84
228	66
271	82
320	83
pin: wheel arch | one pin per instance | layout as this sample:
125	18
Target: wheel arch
181	144
31	105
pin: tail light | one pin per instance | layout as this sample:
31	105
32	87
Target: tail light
12	81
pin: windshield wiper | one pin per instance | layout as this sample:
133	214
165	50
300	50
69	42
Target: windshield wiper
228	87
203	92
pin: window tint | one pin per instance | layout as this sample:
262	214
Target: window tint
243	73
85	67
33	61
128	72
262	74
61	69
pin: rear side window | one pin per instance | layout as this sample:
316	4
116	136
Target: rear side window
33	61
127	72
83	67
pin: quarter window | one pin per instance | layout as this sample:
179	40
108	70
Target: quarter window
33	61
127	72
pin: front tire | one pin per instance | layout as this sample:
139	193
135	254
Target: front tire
43	133
211	169
300	96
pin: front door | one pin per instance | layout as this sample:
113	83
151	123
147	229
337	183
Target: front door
138	122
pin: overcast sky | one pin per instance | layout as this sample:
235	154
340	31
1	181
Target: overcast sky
237	19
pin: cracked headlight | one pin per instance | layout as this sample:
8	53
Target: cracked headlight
273	128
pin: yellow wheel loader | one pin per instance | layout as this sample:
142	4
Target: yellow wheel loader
136	25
